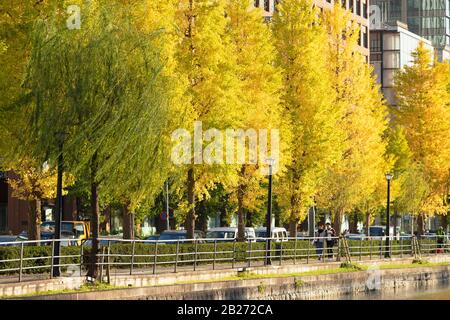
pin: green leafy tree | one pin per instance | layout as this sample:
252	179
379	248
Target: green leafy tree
99	89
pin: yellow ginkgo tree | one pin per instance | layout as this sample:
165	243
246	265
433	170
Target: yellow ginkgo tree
33	183
308	105
363	121
260	91
423	112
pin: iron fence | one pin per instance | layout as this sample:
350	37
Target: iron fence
165	256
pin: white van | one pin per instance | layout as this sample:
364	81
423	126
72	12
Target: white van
277	234
229	233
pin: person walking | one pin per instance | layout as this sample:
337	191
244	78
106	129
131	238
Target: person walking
319	240
330	235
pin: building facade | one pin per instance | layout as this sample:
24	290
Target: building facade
358	8
391	49
429	19
14	212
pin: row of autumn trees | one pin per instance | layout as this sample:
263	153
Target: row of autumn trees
110	94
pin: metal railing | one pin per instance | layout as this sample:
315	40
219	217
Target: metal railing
166	256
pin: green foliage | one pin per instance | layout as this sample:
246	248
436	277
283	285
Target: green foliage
36	265
351	266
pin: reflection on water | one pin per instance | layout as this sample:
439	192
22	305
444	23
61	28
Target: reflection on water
441	292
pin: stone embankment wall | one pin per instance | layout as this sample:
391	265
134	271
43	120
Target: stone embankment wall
332	286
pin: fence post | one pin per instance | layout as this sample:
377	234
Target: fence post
339	249
52	263
81	259
308	252
21	262
108	266
155	254
295	250
360	249
401	247
234	254
381	248
102	261
249	256
176	256
215	252
195	254
370	248
132	256
281	253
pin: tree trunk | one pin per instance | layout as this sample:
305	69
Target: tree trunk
190	218
249	219
202	223
223	217
368	218
105	226
127	223
93	265
293	218
74	208
420	224
34	220
444	222
337	223
354	224
293	228
241	213
395	221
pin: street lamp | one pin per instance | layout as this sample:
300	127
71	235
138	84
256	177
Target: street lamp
271	163
389	177
167	207
56	272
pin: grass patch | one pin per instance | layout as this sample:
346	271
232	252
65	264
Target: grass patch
423	263
352	266
261	288
84	288
298	283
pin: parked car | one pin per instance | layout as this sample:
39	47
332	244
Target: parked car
356	236
79	229
5	239
276	233
171	235
153	238
230	233
102	242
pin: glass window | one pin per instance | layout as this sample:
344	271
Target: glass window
391	60
391	42
375	42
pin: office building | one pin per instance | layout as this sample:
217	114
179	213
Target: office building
391	48
429	19
358	8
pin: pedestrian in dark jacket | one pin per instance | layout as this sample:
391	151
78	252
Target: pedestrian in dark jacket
319	240
330	235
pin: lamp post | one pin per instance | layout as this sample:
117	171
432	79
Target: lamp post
56	272
167	207
271	163
389	177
